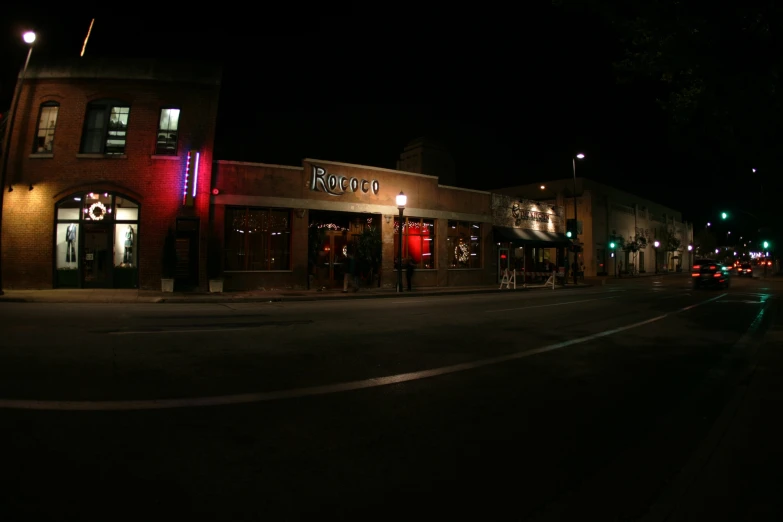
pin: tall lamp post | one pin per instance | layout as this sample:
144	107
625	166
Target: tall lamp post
401	200
690	251
656	245
576	228
29	38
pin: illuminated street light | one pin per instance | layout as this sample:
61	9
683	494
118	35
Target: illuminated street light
29	38
709	224
580	156
542	187
401	200
690	247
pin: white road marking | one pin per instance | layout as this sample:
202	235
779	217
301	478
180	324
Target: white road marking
192	330
553	304
328	389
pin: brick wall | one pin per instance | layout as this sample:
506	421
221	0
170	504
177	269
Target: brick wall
156	182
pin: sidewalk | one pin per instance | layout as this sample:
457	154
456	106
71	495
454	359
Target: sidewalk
738	472
258	296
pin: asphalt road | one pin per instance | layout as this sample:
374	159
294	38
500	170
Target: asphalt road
578	404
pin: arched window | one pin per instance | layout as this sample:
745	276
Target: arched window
96	238
105	127
44	134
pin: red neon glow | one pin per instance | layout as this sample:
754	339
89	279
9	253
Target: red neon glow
187	175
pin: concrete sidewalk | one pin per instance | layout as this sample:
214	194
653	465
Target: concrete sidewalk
272	295
737	473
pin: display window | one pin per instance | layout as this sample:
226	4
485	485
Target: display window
96	239
418	242
464	244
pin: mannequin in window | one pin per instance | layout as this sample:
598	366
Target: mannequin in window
127	257
70	239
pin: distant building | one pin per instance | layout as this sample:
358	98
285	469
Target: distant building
429	156
607	212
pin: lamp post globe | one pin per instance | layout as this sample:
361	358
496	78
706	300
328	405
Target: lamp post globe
401	200
29	37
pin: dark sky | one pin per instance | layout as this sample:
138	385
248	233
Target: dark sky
514	95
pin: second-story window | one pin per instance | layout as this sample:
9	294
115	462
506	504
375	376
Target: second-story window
44	134
167	132
106	127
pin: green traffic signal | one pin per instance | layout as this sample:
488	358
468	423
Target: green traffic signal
612	245
766	245
568	233
724	215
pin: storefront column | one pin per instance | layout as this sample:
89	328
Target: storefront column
300	219
441	250
388	275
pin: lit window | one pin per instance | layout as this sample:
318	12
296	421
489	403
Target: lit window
47	120
106	127
167	132
418	243
464	244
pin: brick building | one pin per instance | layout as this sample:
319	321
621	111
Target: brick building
103	160
106	157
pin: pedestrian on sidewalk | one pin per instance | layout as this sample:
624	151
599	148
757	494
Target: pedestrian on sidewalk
409	267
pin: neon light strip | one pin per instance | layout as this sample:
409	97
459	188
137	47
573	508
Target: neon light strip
195	174
187	174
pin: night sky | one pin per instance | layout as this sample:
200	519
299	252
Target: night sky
513	96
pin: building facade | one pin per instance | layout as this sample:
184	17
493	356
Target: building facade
106	158
607	215
103	160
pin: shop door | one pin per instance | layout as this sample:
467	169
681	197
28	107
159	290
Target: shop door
97	255
186	274
332	260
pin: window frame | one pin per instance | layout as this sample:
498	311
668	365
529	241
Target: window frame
45	105
165	151
433	237
479	240
108	104
268	239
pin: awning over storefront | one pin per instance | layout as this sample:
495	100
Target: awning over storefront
537	238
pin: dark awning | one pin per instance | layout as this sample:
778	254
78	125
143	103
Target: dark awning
527	237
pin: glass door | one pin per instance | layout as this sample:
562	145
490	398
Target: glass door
96	255
339	251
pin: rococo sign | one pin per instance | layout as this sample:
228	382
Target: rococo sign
337	185
528	215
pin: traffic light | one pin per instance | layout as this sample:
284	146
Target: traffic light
765	244
612	245
724	215
570	228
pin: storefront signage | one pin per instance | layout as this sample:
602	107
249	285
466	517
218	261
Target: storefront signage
337	185
528	215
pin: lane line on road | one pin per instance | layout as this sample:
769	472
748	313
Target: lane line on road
553	304
312	391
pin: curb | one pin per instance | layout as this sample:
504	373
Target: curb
283	298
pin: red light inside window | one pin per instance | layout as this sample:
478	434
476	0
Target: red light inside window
502	256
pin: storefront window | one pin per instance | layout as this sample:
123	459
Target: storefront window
258	239
418	241
96	235
464	244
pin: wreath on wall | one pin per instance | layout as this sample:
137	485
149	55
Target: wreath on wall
97	211
462	253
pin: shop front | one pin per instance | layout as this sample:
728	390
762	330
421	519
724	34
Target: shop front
530	237
96	241
297	227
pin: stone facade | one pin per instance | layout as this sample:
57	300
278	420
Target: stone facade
606	212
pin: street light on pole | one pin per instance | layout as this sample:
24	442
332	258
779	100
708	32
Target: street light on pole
401	200
576	227
29	38
656	244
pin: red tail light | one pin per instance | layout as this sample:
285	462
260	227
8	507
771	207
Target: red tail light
695	274
712	267
696	267
717	275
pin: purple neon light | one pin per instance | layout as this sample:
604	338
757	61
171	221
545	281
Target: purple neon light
195	174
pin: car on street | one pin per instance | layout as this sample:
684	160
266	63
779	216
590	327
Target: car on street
745	269
710	275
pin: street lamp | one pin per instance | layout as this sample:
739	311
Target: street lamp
401	200
29	38
656	244
690	250
573	161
